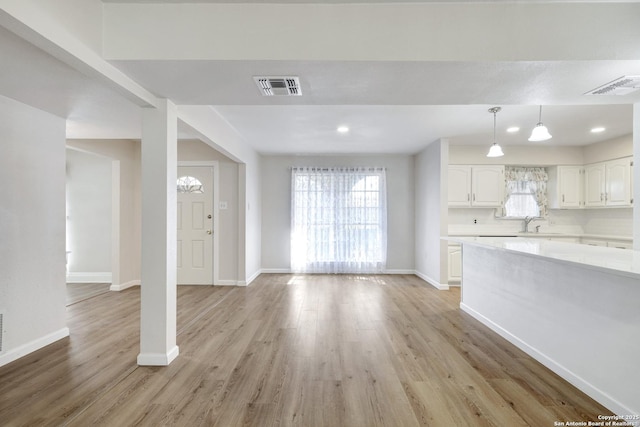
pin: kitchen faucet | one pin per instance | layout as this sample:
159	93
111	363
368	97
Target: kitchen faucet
527	220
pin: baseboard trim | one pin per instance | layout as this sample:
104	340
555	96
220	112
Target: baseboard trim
432	282
89	277
30	347
251	278
227	283
595	393
288	271
399	271
123	286
158	359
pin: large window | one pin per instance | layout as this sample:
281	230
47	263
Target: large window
338	220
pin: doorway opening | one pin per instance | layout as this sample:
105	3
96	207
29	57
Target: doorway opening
92	223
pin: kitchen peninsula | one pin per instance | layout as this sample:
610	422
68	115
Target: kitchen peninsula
575	308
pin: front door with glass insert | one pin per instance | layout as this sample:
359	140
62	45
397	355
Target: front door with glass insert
195	225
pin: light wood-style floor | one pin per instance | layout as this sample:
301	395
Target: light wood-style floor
305	350
77	292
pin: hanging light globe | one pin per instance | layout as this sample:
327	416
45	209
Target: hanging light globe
495	150
540	132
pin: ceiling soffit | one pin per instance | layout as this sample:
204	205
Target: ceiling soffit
373	32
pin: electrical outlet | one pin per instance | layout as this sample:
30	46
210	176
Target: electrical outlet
475	221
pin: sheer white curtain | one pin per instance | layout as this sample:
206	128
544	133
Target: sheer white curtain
338	220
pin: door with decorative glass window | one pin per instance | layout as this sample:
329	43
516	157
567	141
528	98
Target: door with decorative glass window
195	225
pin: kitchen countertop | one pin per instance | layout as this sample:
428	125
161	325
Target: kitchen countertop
540	234
611	260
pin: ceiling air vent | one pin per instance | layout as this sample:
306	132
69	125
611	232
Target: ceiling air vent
278	86
622	86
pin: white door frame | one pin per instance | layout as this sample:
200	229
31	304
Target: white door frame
115	224
216	202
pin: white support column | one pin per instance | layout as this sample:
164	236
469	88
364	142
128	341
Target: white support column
158	293
635	179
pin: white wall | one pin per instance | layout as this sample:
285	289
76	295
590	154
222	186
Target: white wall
127	154
252	171
608	150
32	228
193	150
431	179
276	206
521	155
609	221
88	215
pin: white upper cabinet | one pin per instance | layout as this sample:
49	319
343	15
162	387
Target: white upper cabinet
618	182
459	185
481	186
571	188
566	187
608	183
594	178
487	184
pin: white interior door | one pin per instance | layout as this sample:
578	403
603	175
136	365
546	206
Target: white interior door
195	225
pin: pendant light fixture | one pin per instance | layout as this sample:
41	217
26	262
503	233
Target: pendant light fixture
495	150
540	132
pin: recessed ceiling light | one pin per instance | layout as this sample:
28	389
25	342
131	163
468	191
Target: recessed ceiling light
513	129
598	129
343	129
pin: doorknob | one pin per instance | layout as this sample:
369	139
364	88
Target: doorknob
209	232
209	216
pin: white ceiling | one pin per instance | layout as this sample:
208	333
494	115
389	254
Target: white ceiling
397	106
393	106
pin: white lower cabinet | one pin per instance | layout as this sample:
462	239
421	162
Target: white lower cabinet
565	239
594	242
621	244
455	263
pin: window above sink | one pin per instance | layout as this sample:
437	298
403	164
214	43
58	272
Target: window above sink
526	192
